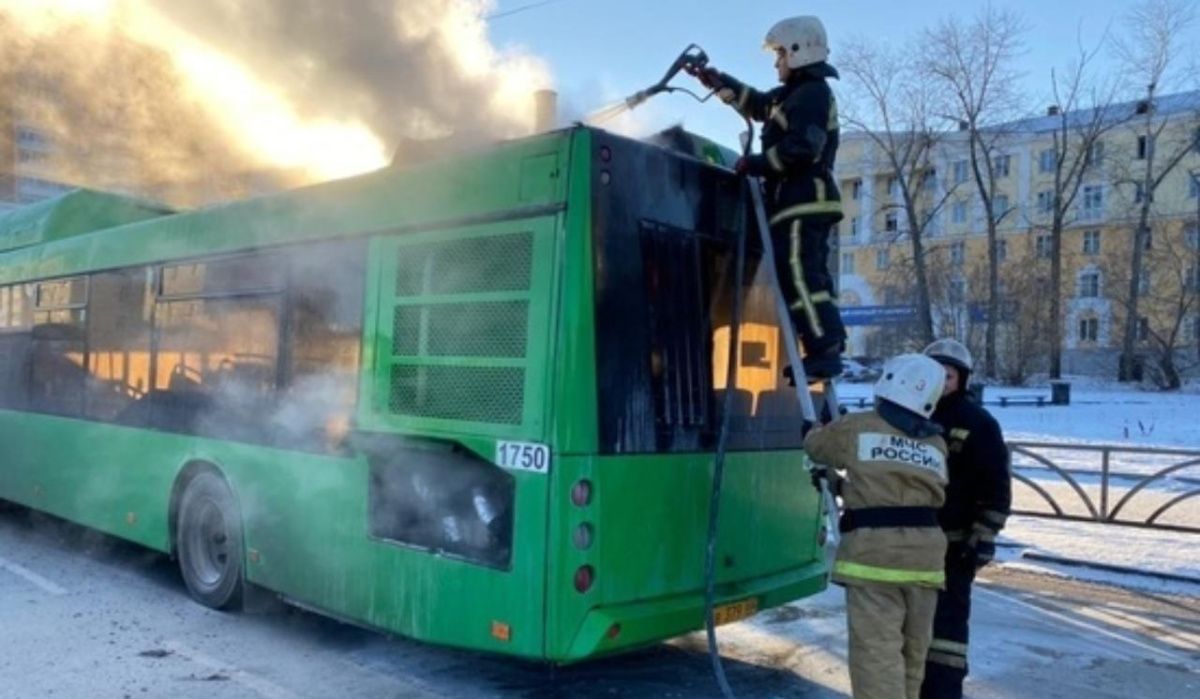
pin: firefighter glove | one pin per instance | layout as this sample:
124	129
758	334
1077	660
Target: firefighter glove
978	552
708	77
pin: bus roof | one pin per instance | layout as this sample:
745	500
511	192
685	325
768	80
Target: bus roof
78	211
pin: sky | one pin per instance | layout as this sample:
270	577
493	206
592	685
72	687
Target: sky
601	50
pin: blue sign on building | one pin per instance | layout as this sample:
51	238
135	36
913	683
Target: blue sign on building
878	315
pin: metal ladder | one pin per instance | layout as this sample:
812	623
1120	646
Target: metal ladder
803	393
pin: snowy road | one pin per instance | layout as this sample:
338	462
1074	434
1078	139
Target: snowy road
84	615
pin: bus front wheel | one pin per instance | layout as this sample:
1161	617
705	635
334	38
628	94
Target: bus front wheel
209	542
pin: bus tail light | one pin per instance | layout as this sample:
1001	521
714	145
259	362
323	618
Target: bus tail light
581	493
585	575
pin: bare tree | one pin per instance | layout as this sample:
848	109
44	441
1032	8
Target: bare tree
1078	133
975	62
898	109
1169	296
1149	53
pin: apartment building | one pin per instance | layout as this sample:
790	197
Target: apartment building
876	270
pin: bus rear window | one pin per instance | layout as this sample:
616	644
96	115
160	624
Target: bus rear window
665	274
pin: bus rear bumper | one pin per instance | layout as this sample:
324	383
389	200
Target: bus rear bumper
621	627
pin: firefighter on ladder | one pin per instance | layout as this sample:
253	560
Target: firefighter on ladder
799	143
890	558
978	500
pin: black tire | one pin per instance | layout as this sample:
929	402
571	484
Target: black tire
208	541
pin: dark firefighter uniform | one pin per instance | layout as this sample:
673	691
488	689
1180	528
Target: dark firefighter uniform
978	501
799	143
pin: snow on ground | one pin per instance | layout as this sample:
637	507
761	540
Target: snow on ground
1101	414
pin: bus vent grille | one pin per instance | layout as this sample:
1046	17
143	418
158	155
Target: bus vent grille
466	265
459	335
485	329
473	394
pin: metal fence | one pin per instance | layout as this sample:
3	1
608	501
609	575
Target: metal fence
1130	486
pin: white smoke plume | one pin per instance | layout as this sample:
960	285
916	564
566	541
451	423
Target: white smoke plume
322	89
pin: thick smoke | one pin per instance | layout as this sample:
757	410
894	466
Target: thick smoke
135	96
405	68
113	114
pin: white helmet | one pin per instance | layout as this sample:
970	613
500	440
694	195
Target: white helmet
952	352
913	382
803	38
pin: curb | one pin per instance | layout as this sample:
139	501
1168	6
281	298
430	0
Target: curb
1108	567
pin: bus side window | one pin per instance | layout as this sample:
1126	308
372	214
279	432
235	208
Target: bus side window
216	358
16	344
118	337
323	344
58	355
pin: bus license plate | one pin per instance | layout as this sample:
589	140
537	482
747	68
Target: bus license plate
735	611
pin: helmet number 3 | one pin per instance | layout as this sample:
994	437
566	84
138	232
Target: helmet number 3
523	456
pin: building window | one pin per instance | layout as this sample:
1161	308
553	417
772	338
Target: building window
847	263
852	228
1000	206
957	253
1045	202
891	223
958	290
1193	186
1094	155
1047	160
856	189
1143	329
1139	192
1091	242
1093	201
1145	147
1089	329
1001	250
1148	240
882	258
1089	285
958	213
930	179
1042	247
1000	166
960	171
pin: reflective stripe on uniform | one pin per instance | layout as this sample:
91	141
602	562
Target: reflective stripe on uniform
779	117
993	518
773	158
948	646
805	299
956	535
959	433
819	185
982	532
946	659
890	575
823	297
816	207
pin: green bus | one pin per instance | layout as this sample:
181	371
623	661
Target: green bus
473	402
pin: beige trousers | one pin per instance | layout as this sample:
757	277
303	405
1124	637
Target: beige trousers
891	627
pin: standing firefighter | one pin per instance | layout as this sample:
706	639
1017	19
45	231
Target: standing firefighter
891	553
978	500
799	143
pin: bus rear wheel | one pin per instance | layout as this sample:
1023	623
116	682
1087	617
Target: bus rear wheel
208	539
